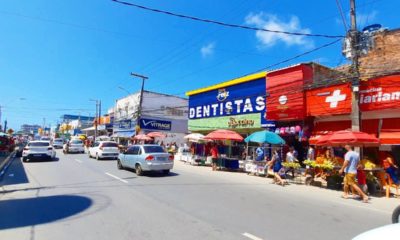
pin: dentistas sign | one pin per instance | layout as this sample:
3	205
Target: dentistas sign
240	99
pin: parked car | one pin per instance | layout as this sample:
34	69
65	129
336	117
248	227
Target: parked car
144	158
38	150
74	146
58	143
104	149
183	154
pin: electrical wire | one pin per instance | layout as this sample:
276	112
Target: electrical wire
342	14
222	23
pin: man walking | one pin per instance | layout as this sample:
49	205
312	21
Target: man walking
351	160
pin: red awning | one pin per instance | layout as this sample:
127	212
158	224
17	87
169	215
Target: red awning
390	137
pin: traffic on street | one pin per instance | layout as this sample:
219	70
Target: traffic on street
229	119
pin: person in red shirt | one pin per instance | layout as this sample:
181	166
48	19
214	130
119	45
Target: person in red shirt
214	156
362	178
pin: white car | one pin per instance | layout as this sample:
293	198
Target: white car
391	231
38	150
74	146
58	143
104	149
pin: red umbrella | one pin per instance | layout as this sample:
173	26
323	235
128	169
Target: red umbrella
156	134
340	138
224	135
142	137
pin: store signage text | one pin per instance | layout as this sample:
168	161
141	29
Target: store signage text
234	123
235	107
154	124
379	96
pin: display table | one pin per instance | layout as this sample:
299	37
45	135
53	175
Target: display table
228	163
255	167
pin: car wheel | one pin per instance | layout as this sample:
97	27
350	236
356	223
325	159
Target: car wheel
119	164
396	215
138	170
24	159
97	157
165	172
90	156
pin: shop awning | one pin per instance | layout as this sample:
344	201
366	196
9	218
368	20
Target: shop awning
390	137
123	134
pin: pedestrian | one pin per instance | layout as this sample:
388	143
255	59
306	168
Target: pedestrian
291	157
362	178
276	164
214	156
311	153
390	168
260	154
351	160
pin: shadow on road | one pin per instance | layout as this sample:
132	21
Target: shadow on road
39	210
15	174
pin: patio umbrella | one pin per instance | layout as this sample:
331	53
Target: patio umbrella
194	137
142	137
156	134
265	137
223	134
340	138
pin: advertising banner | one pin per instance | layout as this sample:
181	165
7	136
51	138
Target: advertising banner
155	124
380	93
286	100
226	122
241	99
327	101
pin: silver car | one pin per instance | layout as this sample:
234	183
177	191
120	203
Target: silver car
145	158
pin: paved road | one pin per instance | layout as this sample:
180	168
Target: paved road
81	198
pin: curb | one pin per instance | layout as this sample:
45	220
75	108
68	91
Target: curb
6	164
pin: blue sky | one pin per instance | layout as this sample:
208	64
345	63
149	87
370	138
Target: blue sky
58	54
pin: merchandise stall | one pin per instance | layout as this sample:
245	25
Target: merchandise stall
226	160
266	140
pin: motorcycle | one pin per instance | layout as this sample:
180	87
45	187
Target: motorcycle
396	215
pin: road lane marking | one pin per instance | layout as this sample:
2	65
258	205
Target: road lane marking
79	161
120	179
251	236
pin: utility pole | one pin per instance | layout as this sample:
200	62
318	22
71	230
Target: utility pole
355	83
96	118
139	115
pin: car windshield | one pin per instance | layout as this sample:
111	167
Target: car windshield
153	149
39	144
109	144
76	142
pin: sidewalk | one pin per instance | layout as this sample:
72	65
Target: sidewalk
4	157
377	204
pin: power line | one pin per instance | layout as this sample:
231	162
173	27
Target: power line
223	23
341	14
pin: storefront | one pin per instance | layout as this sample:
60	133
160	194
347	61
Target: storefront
238	105
286	102
380	115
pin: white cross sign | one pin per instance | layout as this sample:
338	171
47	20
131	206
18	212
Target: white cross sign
335	98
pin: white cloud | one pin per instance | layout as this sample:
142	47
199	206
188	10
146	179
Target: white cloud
272	22
207	50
